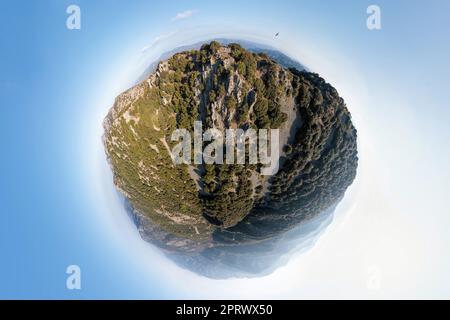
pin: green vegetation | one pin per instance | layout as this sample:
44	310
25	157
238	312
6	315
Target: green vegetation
230	87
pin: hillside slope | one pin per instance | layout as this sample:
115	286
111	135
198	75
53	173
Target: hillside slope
203	209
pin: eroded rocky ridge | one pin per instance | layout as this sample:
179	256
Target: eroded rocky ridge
212	213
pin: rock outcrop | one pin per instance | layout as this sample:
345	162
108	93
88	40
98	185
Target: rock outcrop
210	214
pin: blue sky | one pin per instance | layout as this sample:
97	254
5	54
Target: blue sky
59	206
